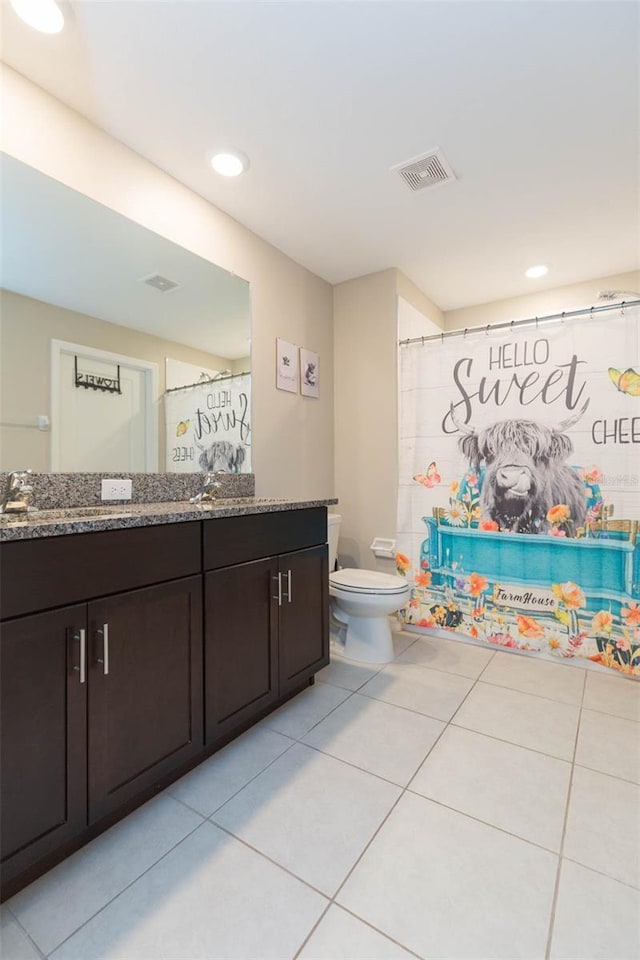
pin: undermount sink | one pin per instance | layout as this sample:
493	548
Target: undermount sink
236	502
71	514
91	511
61	514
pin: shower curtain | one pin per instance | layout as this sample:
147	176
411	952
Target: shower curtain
208	426
519	487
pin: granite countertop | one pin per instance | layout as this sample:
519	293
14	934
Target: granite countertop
57	523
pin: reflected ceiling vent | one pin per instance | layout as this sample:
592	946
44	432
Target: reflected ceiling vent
158	282
428	170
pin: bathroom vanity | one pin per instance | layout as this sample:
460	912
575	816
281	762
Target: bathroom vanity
134	647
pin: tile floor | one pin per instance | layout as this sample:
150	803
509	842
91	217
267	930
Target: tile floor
457	803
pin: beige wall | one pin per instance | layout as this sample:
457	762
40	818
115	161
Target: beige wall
406	289
293	436
365	314
26	329
571	297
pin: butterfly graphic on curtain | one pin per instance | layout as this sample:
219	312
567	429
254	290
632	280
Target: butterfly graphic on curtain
627	382
430	478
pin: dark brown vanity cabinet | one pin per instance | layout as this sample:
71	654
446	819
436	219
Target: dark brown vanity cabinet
266	620
101	699
240	645
108	690
145	689
43	748
303	626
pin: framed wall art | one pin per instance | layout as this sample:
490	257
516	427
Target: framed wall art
286	366
309	373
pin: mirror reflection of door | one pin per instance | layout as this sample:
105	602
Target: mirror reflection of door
96	430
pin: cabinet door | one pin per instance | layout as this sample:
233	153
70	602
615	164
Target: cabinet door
145	689
43	735
303	638
240	644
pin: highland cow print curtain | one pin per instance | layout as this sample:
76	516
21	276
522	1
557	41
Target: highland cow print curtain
208	426
519	489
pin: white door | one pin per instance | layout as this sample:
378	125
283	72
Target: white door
96	430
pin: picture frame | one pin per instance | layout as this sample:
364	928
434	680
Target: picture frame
309	373
286	366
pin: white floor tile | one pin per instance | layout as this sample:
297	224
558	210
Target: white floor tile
446	886
529	721
299	715
603	825
348	674
596	918
378	737
609	744
555	681
51	908
401	641
431	692
612	693
14	943
211	898
435	880
310	813
216	780
508	786
452	656
341	936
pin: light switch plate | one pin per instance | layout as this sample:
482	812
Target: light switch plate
116	490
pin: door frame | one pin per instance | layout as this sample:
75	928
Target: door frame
146	367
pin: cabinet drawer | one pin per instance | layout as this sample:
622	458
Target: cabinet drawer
230	540
56	571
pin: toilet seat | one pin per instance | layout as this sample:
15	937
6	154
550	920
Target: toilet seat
367	582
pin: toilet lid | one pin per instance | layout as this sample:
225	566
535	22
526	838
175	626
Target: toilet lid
367	581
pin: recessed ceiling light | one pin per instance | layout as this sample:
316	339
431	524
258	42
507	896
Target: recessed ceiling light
43	15
538	271
229	163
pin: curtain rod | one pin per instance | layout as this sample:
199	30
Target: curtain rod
217	379
510	324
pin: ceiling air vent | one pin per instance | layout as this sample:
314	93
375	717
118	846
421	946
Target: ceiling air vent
426	171
158	282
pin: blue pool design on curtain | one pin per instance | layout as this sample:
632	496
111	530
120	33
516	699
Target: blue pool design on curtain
519	491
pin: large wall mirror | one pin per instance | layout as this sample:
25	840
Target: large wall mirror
120	351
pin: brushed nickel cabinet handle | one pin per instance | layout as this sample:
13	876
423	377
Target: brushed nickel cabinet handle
278	597
82	669
104	660
289	585
83	655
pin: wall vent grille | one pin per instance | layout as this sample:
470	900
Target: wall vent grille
158	282
428	170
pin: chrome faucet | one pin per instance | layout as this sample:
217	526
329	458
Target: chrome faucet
18	492
207	492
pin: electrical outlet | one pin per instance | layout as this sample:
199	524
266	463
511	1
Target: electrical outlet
116	490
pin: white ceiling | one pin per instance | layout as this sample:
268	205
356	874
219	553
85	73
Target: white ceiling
535	105
60	247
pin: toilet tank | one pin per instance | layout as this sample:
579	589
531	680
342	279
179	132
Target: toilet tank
333	531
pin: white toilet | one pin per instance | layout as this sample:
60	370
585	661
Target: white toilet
362	600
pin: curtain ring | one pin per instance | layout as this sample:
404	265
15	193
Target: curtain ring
536	323
562	317
464	335
423	341
442	338
511	327
486	333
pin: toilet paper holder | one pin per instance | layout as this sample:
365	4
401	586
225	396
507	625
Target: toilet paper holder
383	547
